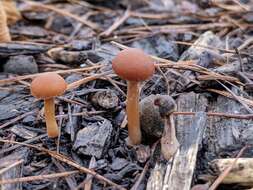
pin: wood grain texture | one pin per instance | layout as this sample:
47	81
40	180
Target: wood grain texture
190	130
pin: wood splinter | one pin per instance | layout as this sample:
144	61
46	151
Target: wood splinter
241	174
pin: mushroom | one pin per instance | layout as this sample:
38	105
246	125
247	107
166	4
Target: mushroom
134	66
12	13
4	30
46	86
169	142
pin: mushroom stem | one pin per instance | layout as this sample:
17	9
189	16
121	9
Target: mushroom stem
169	128
4	30
52	127
169	142
132	108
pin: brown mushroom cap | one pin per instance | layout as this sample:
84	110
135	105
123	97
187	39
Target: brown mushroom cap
48	85
133	64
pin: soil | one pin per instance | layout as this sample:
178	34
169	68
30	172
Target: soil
202	51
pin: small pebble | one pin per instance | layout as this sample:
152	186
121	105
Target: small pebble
106	99
21	65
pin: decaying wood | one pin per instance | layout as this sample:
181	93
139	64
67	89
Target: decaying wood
225	134
92	165
21	48
189	132
226	171
155	181
242	172
63	12
40	177
8	170
68	161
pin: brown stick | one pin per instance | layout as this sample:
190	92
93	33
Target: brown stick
69	162
16	119
18	78
64	13
116	24
39	177
87	79
226	171
219	114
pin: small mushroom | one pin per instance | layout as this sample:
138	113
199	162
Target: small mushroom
152	115
4	30
13	15
134	66
169	142
46	86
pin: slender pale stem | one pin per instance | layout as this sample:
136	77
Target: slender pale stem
134	131
169	142
169	128
52	127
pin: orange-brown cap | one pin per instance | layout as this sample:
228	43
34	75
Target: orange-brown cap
133	65
48	85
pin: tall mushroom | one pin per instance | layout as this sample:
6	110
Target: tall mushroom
46	86
4	30
12	13
134	66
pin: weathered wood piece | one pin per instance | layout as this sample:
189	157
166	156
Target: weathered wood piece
20	48
241	174
94	139
206	39
197	52
155	181
190	130
11	169
224	135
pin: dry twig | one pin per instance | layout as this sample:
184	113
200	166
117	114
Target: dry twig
226	171
39	177
67	161
62	12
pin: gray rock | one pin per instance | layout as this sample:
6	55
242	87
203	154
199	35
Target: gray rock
21	64
94	139
206	39
159	46
107	51
106	99
62	25
79	45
